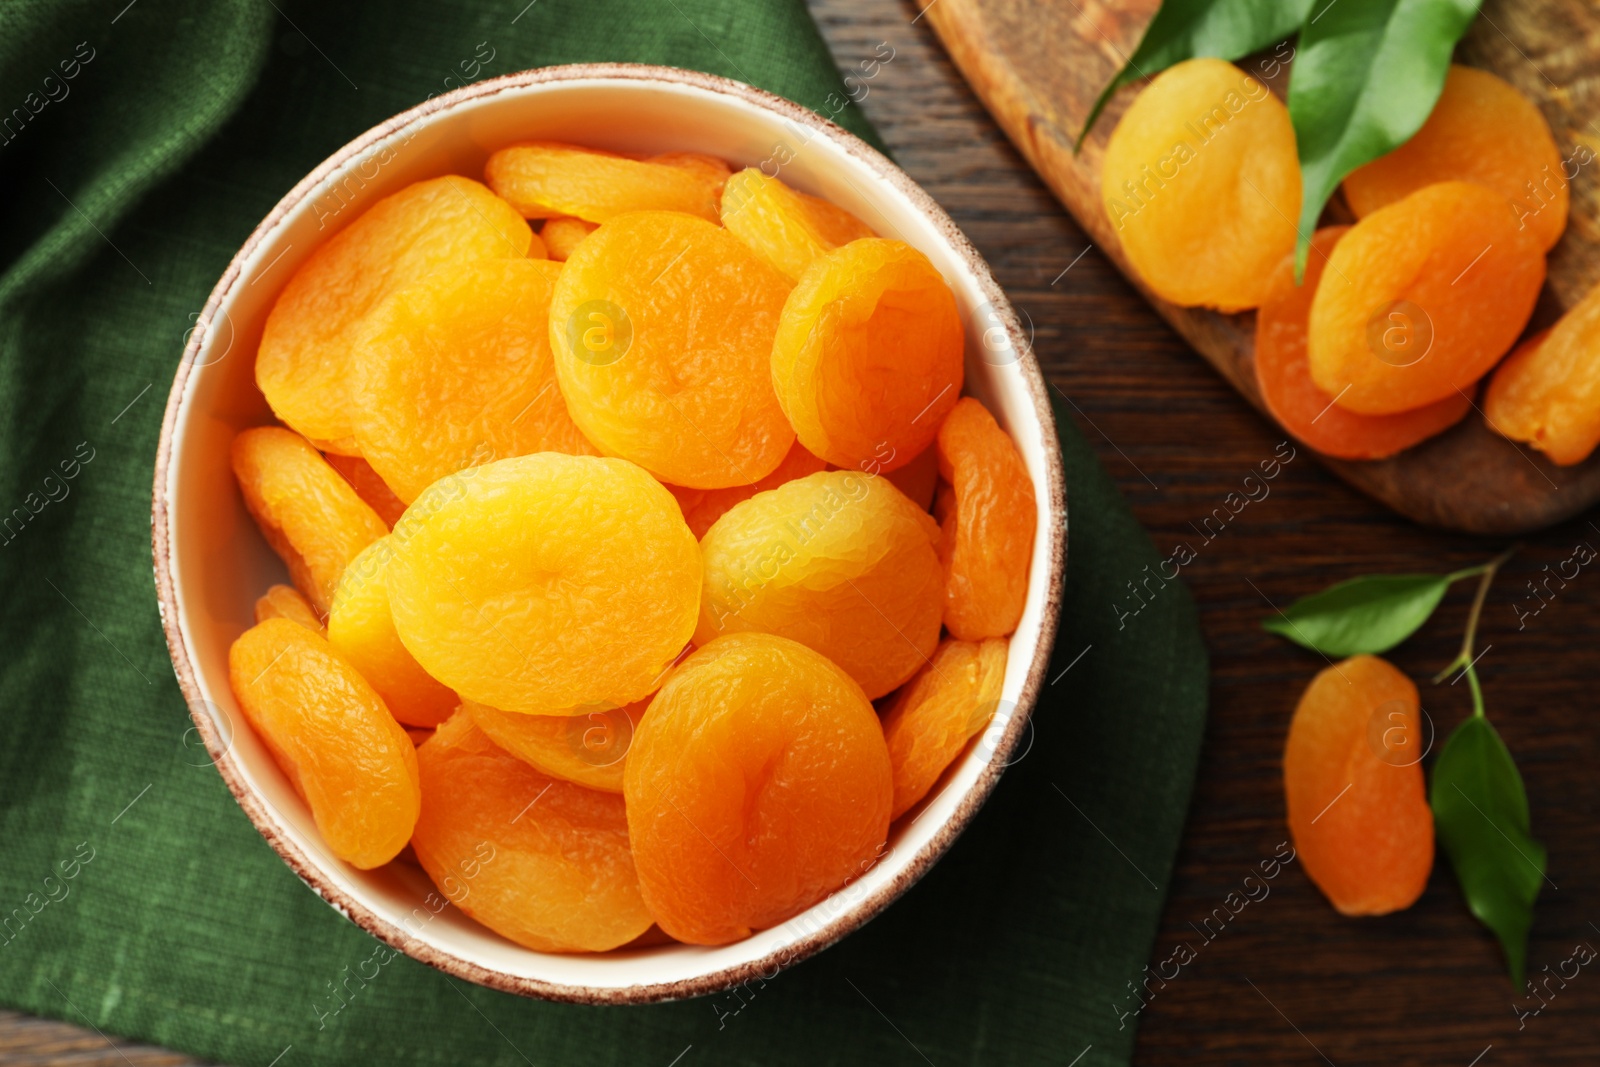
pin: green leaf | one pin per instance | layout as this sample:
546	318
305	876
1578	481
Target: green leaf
1366	76
1481	813
1184	29
1363	615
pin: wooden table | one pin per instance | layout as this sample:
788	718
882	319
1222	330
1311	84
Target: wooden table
1288	981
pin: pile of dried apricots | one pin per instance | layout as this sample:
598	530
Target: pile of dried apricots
1402	313
606	537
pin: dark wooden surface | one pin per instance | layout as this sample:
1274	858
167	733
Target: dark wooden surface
1288	981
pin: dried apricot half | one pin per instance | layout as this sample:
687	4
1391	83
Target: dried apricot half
930	719
1352	775
1202	184
369	486
545	180
307	512
331	734
702	507
1421	298
662	326
1306	411
587	745
540	861
401	239
286	602
784	226
562	235
987	542
839	561
456	371
758	783
1547	392
1482	130
545	581
868	354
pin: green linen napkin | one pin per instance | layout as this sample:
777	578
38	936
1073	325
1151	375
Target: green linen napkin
139	143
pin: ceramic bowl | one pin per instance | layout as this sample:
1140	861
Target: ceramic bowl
211	564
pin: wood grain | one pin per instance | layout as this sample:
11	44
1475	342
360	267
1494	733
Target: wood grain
1040	64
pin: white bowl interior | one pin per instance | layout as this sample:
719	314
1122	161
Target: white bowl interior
220	564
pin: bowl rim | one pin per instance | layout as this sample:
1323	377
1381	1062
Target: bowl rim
848	919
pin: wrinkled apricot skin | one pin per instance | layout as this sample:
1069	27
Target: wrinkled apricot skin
1202	185
545	582
307	512
785	227
562	235
987	538
588	745
868	355
712	169
369	486
931	719
540	861
456	372
841	562
1547	393
1306	411
1421	298
546	180
286	602
1484	131
331	734
702	507
305	345
1352	776
758	783
361	628
662	327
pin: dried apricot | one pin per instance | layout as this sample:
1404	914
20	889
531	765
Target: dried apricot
305	345
545	581
839	561
361	628
562	235
662	326
1294	399
702	507
784	226
1484	131
545	180
758	783
332	736
1547	392
918	478
930	719
307	512
586	745
868	354
456	372
369	486
1202	184
286	602
987	542
540	861
1352	775
714	170
1421	298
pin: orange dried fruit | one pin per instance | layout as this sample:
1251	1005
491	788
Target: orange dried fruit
286	602
1482	130
545	581
784	226
361	628
540	861
930	719
714	170
1352	776
307	512
662	326
1548	392
456	372
839	561
332	736
758	783
1421	298
987	542
587	745
1284	375
868	354
545	180
918	478
1201	182
401	239
702	507
369	486
562	235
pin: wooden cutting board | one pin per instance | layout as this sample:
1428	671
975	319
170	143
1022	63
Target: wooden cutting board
1038	66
